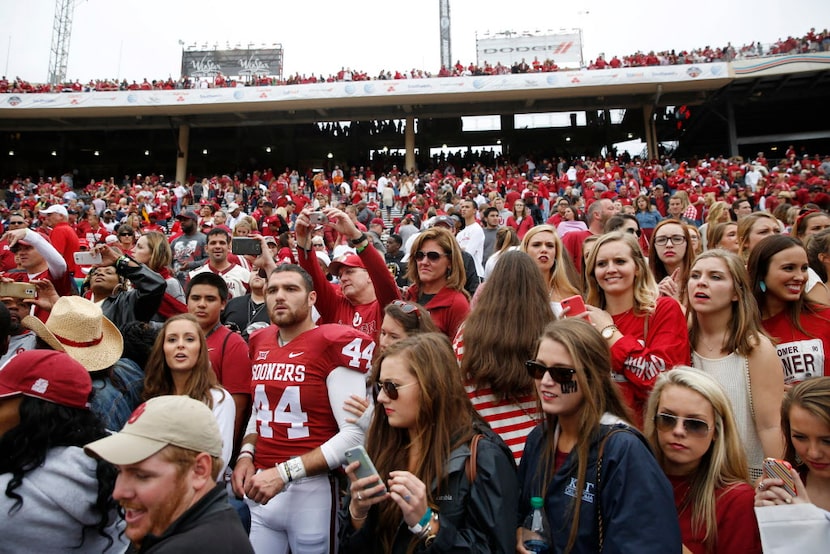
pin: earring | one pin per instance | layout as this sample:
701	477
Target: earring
763	286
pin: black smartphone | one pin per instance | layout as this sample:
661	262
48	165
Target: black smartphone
242	246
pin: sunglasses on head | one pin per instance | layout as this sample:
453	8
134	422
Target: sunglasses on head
431	256
667	422
390	388
560	374
406	307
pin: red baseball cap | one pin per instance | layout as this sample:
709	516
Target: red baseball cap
377	221
49	375
349	260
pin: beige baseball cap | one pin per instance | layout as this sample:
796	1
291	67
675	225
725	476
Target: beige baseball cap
165	420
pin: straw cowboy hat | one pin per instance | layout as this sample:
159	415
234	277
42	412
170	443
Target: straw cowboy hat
78	327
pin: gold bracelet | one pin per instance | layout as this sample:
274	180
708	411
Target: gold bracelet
354	517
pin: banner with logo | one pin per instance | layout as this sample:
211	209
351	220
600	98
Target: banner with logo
232	63
563	48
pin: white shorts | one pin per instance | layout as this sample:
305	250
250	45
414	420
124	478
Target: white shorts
302	518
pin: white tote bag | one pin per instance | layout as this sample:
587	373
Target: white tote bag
794	528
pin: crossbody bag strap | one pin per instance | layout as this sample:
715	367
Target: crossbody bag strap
470	464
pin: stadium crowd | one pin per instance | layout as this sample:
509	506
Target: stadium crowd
191	366
812	41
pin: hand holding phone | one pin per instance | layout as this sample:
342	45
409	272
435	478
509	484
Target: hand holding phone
780	469
242	246
576	305
366	467
87	258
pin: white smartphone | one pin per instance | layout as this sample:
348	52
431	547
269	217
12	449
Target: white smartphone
87	258
366	467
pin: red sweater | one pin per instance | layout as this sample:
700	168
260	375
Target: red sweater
637	360
448	308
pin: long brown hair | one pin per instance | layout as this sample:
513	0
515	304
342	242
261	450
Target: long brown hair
745	322
443	423
158	380
656	265
592	358
812	395
494	355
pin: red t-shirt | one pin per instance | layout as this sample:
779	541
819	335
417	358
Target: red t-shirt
803	355
229	358
734	516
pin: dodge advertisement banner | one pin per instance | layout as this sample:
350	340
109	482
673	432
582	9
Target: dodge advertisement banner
563	48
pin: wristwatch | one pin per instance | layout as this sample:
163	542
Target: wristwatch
608	332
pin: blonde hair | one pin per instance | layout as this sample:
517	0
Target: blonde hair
645	290
723	465
562	274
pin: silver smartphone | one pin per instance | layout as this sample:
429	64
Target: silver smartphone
87	258
366	467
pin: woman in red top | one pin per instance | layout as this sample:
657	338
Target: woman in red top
647	333
778	275
521	220
436	270
690	425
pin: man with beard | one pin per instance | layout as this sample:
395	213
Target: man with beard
20	338
298	433
190	249
169	455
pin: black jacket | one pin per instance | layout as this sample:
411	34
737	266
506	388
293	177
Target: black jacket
139	304
476	519
209	526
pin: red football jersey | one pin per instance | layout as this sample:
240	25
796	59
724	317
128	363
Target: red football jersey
289	389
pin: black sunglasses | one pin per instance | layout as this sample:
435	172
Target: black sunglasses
390	388
126	234
667	422
560	374
431	256
631	231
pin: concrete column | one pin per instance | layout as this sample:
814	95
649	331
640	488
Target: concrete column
732	129
409	143
181	159
650	131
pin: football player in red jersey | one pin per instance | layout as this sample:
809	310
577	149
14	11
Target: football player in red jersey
298	432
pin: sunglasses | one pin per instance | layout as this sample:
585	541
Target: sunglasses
125	234
667	422
406	307
560	374
431	256
16	223
390	388
635	232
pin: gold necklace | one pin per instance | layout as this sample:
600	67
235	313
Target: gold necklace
710	348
